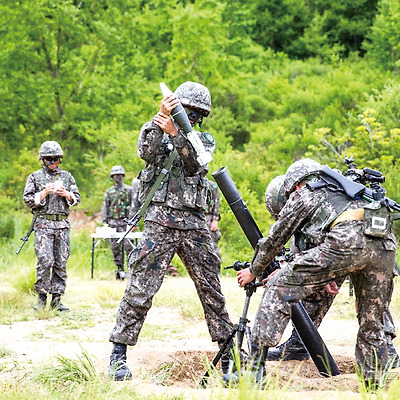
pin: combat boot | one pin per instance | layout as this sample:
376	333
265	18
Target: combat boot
120	273
394	359
41	303
256	366
225	363
118	370
55	303
258	358
226	357
292	349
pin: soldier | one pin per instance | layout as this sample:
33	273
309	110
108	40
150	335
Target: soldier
49	192
117	206
213	216
342	243
318	303
174	223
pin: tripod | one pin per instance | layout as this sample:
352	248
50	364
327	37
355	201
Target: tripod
240	330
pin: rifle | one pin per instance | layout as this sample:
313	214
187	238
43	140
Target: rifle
26	237
352	188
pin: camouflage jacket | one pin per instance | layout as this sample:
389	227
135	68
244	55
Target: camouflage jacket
53	203
181	199
311	213
117	202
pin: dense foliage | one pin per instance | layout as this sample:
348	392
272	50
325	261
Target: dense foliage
288	78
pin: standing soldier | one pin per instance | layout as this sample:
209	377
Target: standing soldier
213	216
174	223
49	192
117	206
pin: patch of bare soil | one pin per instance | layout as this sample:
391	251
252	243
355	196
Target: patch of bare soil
175	364
80	220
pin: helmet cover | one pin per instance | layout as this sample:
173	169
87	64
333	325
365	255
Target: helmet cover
194	95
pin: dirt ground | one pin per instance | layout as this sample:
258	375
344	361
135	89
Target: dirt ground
34	342
38	341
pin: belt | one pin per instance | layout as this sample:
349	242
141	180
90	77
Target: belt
53	217
349	215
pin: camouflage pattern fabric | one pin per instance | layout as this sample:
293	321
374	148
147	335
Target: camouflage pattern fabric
117	206
342	251
52	248
212	213
117	202
319	302
135	196
215	236
52	243
195	95
148	264
274	196
185	188
174	223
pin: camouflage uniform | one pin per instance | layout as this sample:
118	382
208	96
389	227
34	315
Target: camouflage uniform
318	303
212	213
52	226
117	206
174	223
135	197
337	251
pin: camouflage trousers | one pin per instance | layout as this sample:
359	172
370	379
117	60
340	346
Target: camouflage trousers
52	248
318	304
215	235
118	248
148	264
370	264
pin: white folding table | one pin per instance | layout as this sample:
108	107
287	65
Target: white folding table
98	236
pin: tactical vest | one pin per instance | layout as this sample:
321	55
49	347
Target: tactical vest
314	230
121	206
54	204
177	190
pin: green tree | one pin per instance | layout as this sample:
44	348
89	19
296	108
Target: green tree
383	44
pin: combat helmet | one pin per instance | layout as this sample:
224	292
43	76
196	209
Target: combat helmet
50	148
194	95
299	171
117	170
274	196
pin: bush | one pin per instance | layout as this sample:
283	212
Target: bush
7	226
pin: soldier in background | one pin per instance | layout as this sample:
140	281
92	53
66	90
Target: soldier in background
174	223
213	216
49	192
117	206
